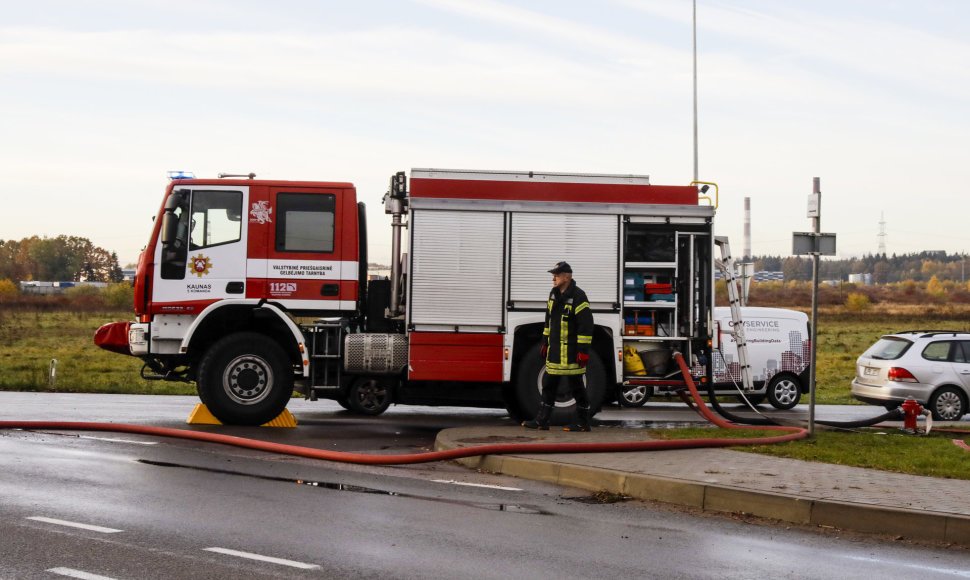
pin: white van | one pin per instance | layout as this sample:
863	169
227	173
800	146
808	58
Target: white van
779	352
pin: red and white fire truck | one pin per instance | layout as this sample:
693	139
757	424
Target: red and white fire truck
251	288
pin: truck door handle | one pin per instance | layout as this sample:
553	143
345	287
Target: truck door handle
235	288
330	290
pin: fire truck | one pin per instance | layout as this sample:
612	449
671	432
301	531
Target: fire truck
254	288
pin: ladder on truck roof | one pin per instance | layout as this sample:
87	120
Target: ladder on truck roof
729	270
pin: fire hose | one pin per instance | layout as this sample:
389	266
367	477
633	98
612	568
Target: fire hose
793	433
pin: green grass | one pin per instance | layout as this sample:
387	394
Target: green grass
31	337
30	340
889	449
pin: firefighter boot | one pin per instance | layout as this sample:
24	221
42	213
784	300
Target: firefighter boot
582	423
541	422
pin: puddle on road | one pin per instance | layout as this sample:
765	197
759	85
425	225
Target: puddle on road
501	507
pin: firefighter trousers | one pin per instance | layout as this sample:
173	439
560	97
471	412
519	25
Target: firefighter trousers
550	385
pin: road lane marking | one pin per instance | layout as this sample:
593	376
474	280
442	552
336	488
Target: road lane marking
261	558
453	482
119	440
72	573
89	527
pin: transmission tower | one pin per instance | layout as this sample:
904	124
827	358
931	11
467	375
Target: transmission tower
882	234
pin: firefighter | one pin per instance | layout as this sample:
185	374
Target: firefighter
566	340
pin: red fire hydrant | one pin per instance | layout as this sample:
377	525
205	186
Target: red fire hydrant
911	410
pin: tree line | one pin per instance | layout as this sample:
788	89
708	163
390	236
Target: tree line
59	259
919	267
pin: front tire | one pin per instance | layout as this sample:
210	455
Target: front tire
948	404
528	388
784	392
245	379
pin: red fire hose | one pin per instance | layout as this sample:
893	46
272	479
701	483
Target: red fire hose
344	457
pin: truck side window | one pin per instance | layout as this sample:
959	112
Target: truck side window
216	218
304	222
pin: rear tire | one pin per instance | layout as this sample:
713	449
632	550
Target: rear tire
369	396
528	388
948	404
245	379
633	395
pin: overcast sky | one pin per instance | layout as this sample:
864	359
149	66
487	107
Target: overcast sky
102	97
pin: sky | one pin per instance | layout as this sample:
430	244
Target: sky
101	98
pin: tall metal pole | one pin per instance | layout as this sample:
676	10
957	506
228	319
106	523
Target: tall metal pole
694	20
816	221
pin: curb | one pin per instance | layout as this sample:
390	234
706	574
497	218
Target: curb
858	517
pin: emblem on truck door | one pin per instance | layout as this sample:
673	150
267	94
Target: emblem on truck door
261	213
200	265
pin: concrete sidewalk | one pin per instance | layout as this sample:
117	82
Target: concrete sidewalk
850	498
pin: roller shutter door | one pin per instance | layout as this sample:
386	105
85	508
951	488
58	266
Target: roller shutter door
457	273
590	243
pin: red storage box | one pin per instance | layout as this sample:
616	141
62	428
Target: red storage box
656	289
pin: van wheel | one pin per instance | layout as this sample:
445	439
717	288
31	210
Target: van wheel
783	392
634	395
245	379
528	388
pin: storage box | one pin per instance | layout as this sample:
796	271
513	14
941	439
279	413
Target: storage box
657	288
632	280
638	330
660	298
633	294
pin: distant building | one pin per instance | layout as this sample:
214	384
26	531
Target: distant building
35	287
864	279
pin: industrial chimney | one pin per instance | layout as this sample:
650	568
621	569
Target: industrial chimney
747	228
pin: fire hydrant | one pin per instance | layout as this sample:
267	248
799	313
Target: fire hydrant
911	410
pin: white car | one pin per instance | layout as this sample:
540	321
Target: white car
930	366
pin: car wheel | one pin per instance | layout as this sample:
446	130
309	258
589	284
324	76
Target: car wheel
784	392
634	395
948	404
528	388
245	379
368	396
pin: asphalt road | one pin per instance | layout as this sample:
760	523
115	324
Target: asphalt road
103	505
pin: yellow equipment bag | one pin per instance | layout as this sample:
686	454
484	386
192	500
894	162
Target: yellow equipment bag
632	364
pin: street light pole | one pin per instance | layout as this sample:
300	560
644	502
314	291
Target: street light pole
694	26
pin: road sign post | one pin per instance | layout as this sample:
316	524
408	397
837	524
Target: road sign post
816	244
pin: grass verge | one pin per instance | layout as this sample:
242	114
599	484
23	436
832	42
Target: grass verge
886	449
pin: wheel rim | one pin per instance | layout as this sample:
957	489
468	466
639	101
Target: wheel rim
635	394
371	395
786	392
248	379
949	405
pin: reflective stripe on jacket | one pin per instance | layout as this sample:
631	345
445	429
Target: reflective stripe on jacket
568	330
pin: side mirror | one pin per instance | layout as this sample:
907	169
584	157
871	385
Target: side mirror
170	224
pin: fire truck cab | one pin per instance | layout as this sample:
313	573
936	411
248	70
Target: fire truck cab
250	288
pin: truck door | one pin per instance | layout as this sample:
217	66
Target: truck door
304	253
202	258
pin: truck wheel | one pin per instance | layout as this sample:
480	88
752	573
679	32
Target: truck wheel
783	392
368	396
245	379
528	388
634	395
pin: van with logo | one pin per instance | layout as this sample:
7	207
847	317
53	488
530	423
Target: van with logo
779	351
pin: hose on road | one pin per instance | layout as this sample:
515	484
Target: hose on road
792	433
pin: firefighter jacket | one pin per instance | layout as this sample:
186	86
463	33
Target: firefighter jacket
568	330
